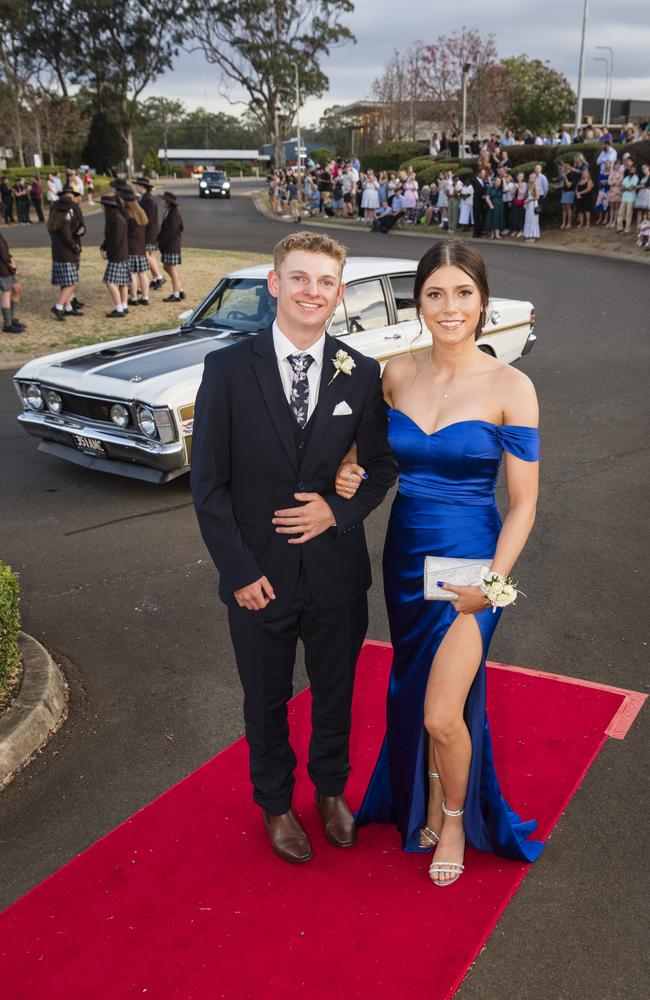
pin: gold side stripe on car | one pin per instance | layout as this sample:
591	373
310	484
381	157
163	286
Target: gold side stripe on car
416	350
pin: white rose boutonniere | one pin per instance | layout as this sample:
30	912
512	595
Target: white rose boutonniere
499	590
343	364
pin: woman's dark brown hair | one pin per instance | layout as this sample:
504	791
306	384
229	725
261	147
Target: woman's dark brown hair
454	253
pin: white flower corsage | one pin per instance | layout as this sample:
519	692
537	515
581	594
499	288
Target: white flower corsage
343	364
499	590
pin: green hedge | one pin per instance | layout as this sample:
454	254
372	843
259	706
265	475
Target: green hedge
9	622
389	155
30	172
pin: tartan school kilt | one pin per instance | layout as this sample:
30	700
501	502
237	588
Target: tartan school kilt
170	258
151	247
64	273
117	273
137	263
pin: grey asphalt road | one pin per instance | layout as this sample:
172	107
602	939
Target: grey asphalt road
117	584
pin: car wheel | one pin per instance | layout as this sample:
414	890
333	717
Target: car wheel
228	195
201	195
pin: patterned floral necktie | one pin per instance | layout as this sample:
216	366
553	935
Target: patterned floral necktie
299	396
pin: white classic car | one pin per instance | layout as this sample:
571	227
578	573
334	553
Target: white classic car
127	406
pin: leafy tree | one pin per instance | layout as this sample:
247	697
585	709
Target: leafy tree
255	44
105	146
113	47
333	129
440	73
541	98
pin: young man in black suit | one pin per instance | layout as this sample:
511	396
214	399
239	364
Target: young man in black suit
275	415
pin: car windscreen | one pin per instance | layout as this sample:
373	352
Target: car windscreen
243	304
214	178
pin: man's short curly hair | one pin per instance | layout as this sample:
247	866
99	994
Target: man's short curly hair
311	243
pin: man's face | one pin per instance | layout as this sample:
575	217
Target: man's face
308	288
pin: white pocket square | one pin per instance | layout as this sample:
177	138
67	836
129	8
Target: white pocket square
341	409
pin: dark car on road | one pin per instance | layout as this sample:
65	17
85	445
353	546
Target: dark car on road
214	184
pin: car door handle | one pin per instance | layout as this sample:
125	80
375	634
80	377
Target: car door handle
393	336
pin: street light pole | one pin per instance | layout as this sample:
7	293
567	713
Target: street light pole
581	69
606	61
295	66
463	130
608	110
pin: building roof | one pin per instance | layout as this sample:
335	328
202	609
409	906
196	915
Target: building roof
212	154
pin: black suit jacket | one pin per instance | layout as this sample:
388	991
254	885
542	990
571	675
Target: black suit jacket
246	464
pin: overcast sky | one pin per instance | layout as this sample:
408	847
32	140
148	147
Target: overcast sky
550	30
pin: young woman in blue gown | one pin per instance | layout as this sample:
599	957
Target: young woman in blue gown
454	413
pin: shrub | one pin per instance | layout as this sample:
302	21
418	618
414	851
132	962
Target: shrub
29	173
525	153
233	167
418	163
389	155
9	622
322	155
526	168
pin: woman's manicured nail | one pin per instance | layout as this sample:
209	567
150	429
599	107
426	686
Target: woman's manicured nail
440	583
364	475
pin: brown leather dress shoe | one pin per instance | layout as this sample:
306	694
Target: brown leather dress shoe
338	822
288	838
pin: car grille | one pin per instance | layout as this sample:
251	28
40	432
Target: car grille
91	409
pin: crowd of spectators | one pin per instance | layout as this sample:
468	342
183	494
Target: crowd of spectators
22	198
495	200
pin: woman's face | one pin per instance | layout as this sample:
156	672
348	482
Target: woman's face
450	305
646	168
520	177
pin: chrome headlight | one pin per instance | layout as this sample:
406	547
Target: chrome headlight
120	415
203	184
34	397
53	400
226	185
146	421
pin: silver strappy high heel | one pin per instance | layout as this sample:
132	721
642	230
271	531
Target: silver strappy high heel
429	836
439	868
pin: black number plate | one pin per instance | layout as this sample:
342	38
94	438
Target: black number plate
89	446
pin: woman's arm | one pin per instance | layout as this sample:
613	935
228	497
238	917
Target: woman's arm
522	478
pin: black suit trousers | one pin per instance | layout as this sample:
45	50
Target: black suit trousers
265	651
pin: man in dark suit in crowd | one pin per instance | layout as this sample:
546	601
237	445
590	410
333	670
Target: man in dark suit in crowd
478	184
275	415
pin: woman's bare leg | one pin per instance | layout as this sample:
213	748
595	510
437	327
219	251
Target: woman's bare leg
452	672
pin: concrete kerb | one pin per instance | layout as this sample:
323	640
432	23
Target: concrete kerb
415	234
36	714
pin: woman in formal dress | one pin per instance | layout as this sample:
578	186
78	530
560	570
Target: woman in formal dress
616	175
584	199
454	412
494	217
642	200
370	198
531	216
466	215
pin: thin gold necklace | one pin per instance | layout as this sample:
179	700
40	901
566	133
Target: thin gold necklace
445	395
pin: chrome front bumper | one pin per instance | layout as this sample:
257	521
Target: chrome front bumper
125	456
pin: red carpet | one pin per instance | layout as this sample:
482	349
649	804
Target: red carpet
185	900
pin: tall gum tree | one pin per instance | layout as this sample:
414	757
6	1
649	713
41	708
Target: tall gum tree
256	44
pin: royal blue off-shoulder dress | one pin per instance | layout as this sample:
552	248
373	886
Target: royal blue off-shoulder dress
445	506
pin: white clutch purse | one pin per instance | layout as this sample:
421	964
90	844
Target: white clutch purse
464	572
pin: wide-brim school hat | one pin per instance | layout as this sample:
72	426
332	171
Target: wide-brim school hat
127	195
169	196
109	201
143	182
117	184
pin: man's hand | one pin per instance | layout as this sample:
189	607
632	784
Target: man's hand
256	595
308	521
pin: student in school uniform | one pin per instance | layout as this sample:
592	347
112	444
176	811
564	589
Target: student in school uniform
66	250
10	290
149	206
169	243
136	222
115	250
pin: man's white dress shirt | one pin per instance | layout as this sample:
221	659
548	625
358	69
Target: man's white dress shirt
283	348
